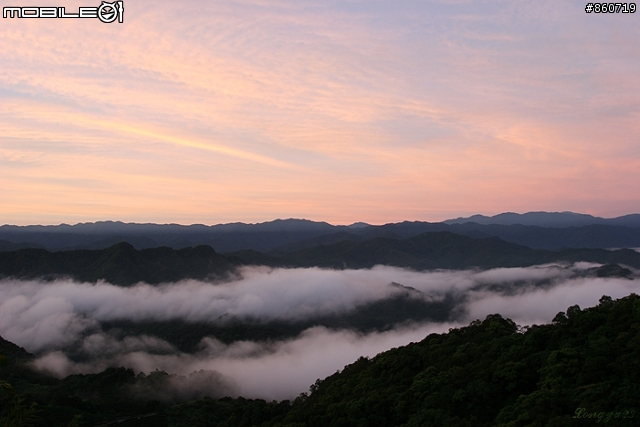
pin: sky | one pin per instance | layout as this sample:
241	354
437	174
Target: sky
340	111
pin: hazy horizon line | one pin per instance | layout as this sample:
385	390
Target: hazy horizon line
310	220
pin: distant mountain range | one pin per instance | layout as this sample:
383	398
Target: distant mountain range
549	219
537	230
223	237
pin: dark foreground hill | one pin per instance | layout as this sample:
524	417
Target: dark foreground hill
582	369
121	264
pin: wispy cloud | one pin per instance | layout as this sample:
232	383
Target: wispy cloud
443	108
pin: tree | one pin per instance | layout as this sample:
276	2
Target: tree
13	410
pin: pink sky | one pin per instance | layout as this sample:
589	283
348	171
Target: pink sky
341	111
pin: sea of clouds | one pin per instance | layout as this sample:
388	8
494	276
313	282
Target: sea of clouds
48	318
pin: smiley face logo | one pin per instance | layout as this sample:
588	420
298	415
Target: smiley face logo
107	12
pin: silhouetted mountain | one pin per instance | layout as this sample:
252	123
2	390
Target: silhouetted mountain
13	352
549	219
122	264
11	246
251	257
589	236
138	242
425	251
359	225
613	270
119	264
223	237
445	250
294	234
325	239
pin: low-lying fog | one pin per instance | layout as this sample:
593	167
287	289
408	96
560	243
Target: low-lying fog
48	318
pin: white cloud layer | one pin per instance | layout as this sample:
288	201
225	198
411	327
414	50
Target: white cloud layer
51	318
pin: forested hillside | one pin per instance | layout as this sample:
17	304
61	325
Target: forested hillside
122	264
493	374
582	369
119	264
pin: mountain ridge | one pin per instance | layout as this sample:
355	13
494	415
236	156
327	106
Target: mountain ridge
124	265
293	234
548	219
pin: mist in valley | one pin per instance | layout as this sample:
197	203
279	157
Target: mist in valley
61	322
